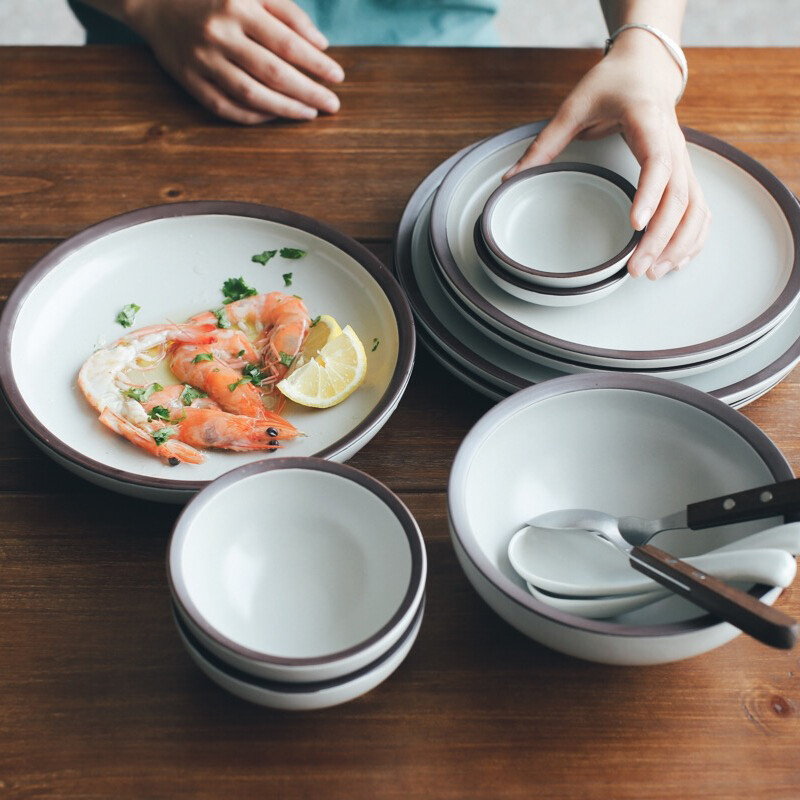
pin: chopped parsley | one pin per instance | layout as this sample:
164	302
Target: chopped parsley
222	317
232	387
255	373
240	354
202	357
236	289
158	412
141	394
315	320
375	343
127	314
287	278
190	394
262	258
292	252
286	359
162	434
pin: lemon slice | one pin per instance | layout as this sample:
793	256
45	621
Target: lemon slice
321	332
337	370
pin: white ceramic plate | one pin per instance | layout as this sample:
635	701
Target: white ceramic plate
736	378
560	225
172	261
300	696
624	444
717	305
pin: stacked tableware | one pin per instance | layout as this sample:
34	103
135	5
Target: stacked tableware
297	583
728	324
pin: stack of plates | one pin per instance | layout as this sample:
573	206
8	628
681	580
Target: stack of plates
729	324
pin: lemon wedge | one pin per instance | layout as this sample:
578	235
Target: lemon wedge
320	333
334	373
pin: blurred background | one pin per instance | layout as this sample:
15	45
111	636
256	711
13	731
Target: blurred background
538	23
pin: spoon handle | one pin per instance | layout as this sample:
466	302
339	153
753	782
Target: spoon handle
750	615
765	501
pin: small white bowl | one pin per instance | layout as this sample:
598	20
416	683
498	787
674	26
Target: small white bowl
524	289
300	696
623	444
561	225
297	569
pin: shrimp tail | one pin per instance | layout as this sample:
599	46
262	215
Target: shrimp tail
172	451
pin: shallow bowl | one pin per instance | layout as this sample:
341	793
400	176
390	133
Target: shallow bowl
297	569
561	225
172	261
635	445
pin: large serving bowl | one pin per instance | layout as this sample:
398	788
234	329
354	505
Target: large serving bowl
297	569
635	445
172	261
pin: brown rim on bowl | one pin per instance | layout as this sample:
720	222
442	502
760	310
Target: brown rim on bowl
764	447
24	415
180	592
770	182
484	224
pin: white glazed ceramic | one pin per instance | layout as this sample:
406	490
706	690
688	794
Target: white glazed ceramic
560	297
297	569
597	607
300	696
493	358
717	304
172	261
634	445
561	225
580	564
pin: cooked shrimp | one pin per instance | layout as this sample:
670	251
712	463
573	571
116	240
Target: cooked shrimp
172	449
209	427
177	397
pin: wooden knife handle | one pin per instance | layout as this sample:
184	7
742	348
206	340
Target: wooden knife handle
751	616
772	500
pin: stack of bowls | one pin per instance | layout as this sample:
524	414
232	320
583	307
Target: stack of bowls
558	234
625	445
297	583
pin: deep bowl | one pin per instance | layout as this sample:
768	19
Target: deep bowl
172	260
561	225
635	445
297	569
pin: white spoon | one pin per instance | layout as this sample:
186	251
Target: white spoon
601	607
571	563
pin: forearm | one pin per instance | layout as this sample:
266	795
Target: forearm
666	15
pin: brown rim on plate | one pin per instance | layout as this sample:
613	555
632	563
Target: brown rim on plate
180	531
770	182
489	242
763	446
13	396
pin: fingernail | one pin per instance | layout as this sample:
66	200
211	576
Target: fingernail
336	74
308	113
331	104
643	217
640	266
661	269
681	264
317	38
511	173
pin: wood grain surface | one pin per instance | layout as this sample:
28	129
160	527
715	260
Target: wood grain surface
98	698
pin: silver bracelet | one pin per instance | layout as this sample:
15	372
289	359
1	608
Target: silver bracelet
672	46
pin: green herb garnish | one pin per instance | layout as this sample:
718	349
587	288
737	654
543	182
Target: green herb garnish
236	289
202	357
245	379
240	354
287	278
162	434
158	412
222	317
190	394
262	258
255	373
127	314
286	359
315	320
375	343
292	252
141	394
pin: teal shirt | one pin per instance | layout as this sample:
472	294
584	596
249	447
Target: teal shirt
358	22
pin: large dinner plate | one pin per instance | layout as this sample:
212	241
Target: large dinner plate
745	281
473	352
172	261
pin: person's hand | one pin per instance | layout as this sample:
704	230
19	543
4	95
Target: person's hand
246	60
633	90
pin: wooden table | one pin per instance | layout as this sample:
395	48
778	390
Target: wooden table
98	698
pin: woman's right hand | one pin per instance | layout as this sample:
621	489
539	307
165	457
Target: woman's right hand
248	61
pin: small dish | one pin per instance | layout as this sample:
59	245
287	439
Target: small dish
561	225
297	569
544	295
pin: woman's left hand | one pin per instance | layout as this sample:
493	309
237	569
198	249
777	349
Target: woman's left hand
632	91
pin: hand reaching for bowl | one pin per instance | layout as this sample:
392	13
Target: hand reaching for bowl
248	61
632	90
